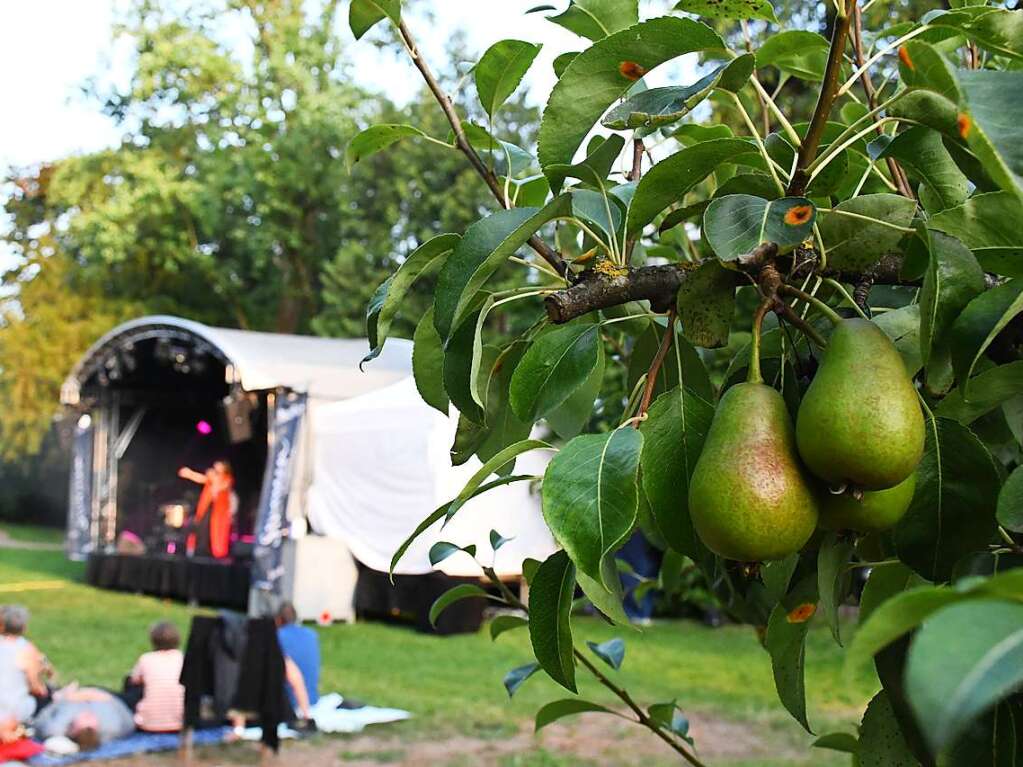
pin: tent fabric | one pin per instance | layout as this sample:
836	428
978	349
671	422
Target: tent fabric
381	465
324	368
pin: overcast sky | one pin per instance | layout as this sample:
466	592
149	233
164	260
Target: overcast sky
48	48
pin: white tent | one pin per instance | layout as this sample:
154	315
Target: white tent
369	460
381	465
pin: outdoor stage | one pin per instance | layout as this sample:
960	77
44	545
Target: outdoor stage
197	580
217	583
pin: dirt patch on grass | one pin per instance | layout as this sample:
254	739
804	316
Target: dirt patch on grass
590	739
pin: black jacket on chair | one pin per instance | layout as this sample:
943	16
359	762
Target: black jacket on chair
238	664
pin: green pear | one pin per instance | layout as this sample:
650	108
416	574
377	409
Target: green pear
749	498
875	511
860	423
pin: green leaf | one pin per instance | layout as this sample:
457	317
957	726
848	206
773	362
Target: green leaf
669	180
376	138
493	465
976	327
729	9
706	304
795	52
902	326
892	618
987	225
502	426
550	627
673	436
441	550
590	496
926	108
736	223
608	600
497	540
987	391
843	742
601	155
612	652
596	19
952	511
881	742
598	209
670	717
503	623
445	510
428	363
996	30
385	302
566	707
952	279
903	612
485	246
786	642
500	71
921	151
656	107
561	63
885	582
1010	502
684	362
948	690
921	65
856	244
364	14
449	597
600	75
833	578
571	416
994	112
514	679
507	159
460	363
554	366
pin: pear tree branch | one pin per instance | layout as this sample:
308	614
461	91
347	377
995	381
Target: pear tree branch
621	693
826	100
545	251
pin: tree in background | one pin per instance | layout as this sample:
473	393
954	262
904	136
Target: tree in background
227	201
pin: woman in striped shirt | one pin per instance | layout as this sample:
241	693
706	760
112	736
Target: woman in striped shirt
162	707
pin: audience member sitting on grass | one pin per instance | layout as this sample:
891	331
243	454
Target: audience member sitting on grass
162	707
301	647
88	716
21	666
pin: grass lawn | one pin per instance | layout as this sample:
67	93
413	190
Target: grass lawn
32	533
721	677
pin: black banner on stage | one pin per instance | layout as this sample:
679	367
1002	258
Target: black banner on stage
271	520
79	512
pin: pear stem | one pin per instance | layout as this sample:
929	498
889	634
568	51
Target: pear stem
808	330
754	375
815	302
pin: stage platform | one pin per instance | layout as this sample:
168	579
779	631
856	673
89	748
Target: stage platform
189	579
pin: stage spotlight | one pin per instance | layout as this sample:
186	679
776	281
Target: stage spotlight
85	421
204	428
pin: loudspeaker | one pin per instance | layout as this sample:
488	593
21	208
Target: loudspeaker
238	415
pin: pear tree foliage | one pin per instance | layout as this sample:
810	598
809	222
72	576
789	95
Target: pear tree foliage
671	244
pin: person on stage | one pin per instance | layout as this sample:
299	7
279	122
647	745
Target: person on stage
215	511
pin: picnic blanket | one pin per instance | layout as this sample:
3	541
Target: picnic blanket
137	743
329	718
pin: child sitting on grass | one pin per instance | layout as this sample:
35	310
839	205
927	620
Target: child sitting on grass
162	707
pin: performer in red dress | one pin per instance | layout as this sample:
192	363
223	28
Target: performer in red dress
215	511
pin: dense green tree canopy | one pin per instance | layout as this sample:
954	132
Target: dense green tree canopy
228	200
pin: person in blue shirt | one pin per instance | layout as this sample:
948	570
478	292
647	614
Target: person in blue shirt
301	646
